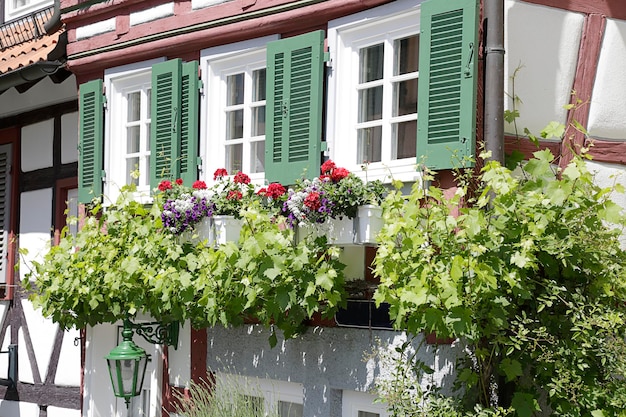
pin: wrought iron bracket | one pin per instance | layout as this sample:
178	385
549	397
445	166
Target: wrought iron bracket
158	333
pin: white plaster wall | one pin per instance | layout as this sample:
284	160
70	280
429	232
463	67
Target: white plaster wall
62	412
42	332
4	358
69	138
44	93
151	14
37	145
607	113
98	399
69	372
545	42
18	409
607	175
94	29
180	358
326	361
35	226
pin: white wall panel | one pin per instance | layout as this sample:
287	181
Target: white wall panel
545	42
69	138
42	332
37	145
35	226
607	114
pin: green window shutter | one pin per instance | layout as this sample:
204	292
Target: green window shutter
165	116
91	116
189	123
294	106
5	208
446	109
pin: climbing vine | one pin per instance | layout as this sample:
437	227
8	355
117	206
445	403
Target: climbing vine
530	276
122	262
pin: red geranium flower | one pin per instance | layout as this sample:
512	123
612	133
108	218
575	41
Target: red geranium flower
327	167
199	185
262	191
338	174
165	185
312	201
241	178
179	181
325	177
219	173
234	195
275	190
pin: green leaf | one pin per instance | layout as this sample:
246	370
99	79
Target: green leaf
553	130
511	115
597	413
525	405
511	368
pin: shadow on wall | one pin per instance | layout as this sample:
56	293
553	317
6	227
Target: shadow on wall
324	358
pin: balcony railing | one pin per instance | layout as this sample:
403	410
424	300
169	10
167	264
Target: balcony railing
24	29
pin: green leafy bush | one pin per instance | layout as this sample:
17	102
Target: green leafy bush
122	262
530	275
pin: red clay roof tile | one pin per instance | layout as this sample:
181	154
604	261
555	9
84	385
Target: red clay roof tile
28	53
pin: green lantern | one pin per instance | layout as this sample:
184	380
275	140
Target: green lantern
127	366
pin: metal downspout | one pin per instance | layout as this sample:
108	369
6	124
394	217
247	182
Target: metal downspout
54	23
494	79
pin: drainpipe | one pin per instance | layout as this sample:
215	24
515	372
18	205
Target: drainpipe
494	79
54	23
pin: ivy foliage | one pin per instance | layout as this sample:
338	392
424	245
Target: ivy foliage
121	262
528	272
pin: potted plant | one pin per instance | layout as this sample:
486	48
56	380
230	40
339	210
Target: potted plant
206	213
330	205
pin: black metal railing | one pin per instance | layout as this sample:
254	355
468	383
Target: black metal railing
24	29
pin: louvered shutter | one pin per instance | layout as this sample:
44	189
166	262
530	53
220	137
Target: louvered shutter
294	105
91	116
165	121
5	207
189	123
447	82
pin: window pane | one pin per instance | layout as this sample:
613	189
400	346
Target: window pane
149	102
132	164
145	175
148	139
257	159
368	414
405	97
405	139
369	144
258	85
258	121
371	63
234	124
371	104
234	93
134	106
132	139
234	156
287	409
406	55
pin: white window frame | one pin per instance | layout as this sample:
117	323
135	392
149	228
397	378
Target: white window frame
11	12
353	401
118	81
216	63
271	390
345	37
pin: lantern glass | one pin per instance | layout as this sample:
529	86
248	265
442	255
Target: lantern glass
127	368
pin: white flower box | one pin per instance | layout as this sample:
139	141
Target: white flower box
214	231
346	231
226	229
368	223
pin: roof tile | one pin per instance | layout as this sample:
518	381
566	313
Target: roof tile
28	53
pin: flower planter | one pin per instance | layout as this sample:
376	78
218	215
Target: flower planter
368	223
346	231
203	230
226	229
